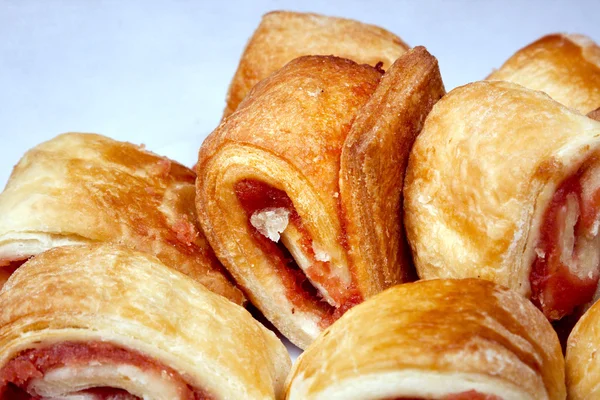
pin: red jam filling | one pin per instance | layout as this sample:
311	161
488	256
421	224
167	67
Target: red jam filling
556	288
16	375
8	268
255	196
470	395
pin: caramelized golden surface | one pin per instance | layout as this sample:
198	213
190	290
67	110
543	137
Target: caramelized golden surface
283	36
567	67
334	136
81	188
108	293
472	331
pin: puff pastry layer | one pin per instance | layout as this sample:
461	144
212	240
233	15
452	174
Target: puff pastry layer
437	339
95	321
283	36
300	190
83	188
567	67
583	366
503	184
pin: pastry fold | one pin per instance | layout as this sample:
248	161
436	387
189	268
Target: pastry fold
503	183
583	367
84	188
595	114
437	339
101	321
299	192
566	67
283	36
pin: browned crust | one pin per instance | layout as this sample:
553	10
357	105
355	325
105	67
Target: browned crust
102	190
566	67
449	326
283	36
595	114
110	293
480	176
373	163
320	129
298	116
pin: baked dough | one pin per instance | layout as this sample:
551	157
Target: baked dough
432	339
299	191
567	67
595	114
83	188
483	194
284	35
100	296
582	357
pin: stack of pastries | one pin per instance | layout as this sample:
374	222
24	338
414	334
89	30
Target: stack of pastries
416	244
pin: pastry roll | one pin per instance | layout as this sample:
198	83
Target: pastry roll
83	188
440	339
299	191
567	67
583	366
283	36
503	184
100	321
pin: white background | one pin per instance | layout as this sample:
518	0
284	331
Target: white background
156	72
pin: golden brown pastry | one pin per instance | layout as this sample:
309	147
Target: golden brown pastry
567	67
283	36
503	184
300	191
439	339
82	188
595	114
101	321
582	361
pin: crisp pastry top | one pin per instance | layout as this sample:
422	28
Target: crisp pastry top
567	67
283	36
331	137
431	339
80	188
480	176
317	99
107	293
288	133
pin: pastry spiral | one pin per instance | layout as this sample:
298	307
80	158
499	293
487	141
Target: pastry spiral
104	322
439	339
299	191
503	184
84	188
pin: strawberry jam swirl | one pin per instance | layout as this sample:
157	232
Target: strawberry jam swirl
24	375
565	271
305	270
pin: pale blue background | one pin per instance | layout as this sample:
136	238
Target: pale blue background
156	72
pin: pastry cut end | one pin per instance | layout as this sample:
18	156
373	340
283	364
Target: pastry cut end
312	275
91	370
566	270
